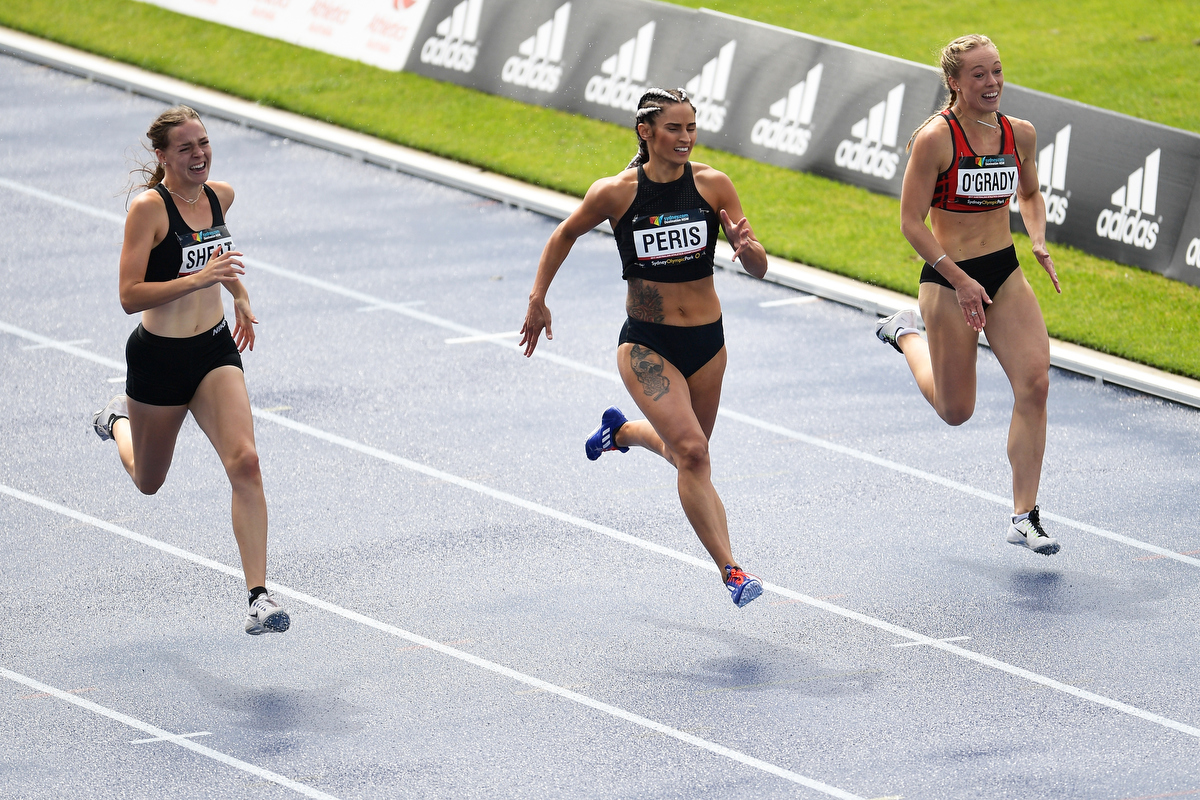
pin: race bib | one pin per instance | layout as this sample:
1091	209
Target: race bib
674	238
200	246
987	180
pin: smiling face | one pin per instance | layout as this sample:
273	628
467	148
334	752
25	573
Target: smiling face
187	157
671	137
980	81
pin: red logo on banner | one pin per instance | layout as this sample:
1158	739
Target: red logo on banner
406	3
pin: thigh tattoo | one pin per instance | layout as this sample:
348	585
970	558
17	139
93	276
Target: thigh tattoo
648	366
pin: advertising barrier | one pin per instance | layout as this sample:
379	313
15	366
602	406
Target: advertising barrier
376	32
1115	186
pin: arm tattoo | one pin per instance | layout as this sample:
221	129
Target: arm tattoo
644	302
648	366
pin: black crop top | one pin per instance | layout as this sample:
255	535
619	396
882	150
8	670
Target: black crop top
183	250
669	233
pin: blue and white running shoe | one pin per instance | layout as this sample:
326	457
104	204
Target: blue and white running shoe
604	438
743	586
266	616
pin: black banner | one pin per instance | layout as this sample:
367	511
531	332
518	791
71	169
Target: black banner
1114	186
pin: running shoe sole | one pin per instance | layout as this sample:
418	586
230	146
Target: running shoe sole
274	623
1018	538
750	592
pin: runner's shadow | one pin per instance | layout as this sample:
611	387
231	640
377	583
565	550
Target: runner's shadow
757	665
269	708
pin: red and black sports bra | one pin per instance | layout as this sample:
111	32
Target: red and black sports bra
974	182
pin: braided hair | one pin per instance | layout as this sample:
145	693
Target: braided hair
951	63
649	107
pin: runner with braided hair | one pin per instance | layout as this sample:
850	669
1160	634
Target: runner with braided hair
967	162
665	212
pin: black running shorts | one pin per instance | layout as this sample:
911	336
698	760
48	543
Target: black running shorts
163	371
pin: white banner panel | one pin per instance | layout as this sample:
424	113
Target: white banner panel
376	32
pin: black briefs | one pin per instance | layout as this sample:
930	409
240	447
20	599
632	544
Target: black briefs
164	371
991	270
687	348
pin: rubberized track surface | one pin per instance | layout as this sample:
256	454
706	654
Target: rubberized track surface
478	610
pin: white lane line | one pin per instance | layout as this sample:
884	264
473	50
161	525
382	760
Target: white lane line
931	641
484	337
410	303
405	310
45	346
705	564
392	630
791	301
171	738
159	733
116	380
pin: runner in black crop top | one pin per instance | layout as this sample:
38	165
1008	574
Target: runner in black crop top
184	251
669	233
183	358
966	163
665	216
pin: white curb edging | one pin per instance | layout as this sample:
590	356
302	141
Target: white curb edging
1104	368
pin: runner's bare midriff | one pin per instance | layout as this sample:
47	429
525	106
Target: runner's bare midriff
186	316
684	304
971	235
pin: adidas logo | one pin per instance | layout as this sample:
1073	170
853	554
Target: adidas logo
784	133
874	132
622	83
1052	173
539	64
454	46
707	90
1138	196
1193	253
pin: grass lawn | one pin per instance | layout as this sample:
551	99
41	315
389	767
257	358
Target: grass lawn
1109	54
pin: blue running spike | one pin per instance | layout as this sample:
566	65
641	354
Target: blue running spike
604	438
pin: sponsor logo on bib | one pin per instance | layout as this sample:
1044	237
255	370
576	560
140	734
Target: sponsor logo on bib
198	247
674	238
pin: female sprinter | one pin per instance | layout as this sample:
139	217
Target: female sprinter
176	255
665	212
966	163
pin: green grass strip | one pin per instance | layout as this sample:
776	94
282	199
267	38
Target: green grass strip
1106	306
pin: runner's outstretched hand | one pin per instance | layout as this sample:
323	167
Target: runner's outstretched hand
1043	256
537	317
740	236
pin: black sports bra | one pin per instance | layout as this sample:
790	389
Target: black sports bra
183	250
669	233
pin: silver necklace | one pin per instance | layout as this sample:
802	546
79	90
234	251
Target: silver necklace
981	122
191	203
